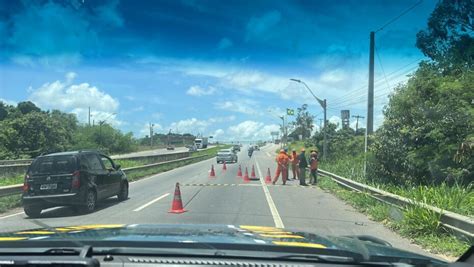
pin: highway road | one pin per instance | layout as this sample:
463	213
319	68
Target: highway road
225	199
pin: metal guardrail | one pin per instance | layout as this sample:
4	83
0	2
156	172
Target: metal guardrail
17	189
461	225
16	169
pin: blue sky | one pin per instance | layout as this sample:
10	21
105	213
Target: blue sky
219	68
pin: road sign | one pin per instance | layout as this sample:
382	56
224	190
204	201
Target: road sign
290	112
345	115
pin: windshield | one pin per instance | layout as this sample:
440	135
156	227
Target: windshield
53	165
324	125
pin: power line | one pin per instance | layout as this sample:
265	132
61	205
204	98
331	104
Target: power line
399	16
362	95
363	88
381	67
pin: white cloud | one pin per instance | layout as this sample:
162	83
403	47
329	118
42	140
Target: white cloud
70	76
8	102
145	130
129	97
76	98
251	130
196	126
196	90
140	108
245	106
218	134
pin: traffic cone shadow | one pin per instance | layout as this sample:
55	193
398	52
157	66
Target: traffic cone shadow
177	205
224	167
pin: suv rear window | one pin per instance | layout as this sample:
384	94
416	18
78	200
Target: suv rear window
54	165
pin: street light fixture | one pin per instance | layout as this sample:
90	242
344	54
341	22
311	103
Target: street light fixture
323	104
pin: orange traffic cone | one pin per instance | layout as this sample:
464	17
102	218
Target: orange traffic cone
177	206
239	172
212	174
246	176
252	175
224	167
268	178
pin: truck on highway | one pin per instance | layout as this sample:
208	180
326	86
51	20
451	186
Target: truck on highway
201	142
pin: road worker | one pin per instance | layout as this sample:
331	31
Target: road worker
294	164
302	164
282	167
313	163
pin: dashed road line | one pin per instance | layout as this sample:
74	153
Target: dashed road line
268	154
271	204
151	202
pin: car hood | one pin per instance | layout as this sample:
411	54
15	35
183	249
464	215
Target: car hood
223	234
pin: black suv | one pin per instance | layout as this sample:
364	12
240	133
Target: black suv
77	179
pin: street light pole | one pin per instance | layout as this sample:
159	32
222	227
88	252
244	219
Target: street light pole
323	104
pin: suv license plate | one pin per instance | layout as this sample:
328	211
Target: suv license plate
48	186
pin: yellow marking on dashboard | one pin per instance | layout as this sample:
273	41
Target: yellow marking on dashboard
273	232
12	238
35	233
63	229
298	244
259	228
95	226
281	236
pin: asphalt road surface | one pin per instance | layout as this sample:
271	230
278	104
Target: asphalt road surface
225	199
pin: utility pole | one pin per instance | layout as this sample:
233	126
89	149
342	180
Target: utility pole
370	100
357	121
325	145
89	116
151	134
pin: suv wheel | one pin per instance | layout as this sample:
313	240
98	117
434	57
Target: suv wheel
90	202
123	194
32	212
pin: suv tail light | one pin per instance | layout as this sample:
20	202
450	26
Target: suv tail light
76	181
26	186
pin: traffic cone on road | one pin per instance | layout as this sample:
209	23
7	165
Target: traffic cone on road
239	172
246	176
252	175
212	174
177	205
224	167
268	178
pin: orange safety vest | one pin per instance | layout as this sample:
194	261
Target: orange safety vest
282	159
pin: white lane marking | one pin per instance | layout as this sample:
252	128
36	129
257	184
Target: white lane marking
268	154
11	215
151	202
271	204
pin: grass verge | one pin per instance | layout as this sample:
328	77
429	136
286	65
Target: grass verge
419	225
9	202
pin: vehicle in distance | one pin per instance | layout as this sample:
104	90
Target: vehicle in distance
78	179
170	147
201	142
226	155
256	148
236	148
